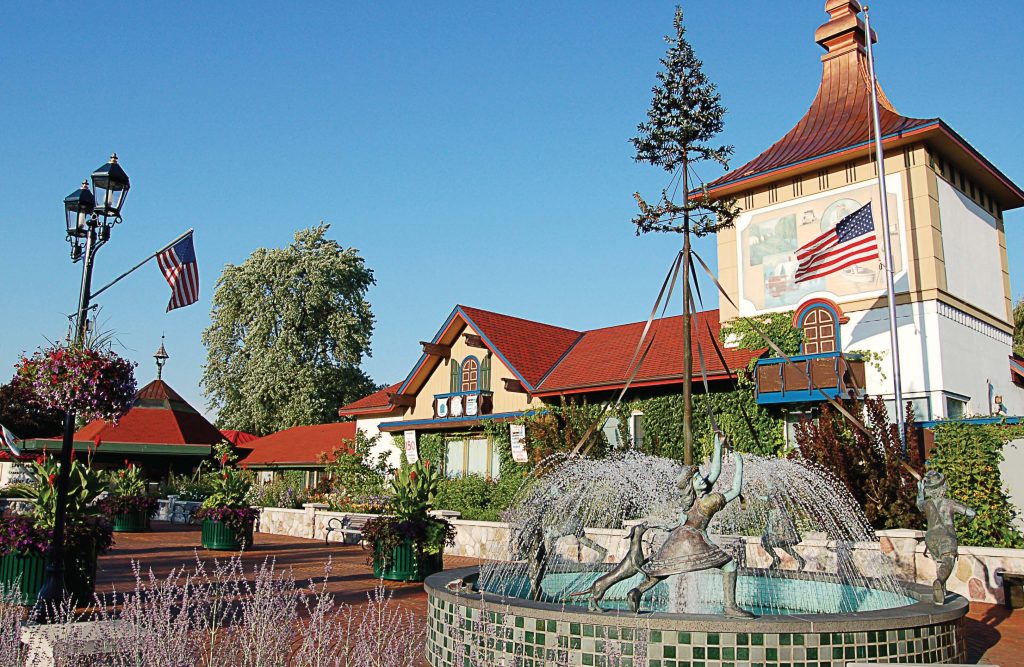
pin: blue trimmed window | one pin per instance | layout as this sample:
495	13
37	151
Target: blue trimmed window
820	326
470	375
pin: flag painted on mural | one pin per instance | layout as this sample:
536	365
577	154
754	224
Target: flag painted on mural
178	264
850	242
9	441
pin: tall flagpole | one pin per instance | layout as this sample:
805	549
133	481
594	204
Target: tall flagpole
884	208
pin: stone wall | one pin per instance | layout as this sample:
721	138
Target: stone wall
977	576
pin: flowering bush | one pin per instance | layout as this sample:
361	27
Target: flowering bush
288	491
114	505
128	481
94	383
414	489
378	504
239	519
21	534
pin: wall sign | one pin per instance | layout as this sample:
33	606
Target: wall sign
441	406
517	435
455	407
411	455
472	404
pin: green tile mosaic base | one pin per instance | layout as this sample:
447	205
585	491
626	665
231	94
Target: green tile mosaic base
470	632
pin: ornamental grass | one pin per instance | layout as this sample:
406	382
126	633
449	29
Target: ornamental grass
218	617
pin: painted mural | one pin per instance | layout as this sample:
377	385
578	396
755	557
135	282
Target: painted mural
769	239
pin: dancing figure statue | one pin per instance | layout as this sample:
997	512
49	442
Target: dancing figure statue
780	532
634	560
688	548
940	536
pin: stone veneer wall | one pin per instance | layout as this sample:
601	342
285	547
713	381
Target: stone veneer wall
977	576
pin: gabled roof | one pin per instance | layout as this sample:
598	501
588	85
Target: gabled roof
529	348
379	402
299	445
601	358
838	124
160	416
237	438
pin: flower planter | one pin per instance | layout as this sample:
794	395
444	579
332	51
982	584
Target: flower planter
405	564
131	522
28	571
219	536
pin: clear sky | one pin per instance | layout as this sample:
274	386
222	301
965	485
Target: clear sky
474	153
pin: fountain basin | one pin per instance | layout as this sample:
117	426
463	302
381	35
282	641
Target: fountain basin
490	629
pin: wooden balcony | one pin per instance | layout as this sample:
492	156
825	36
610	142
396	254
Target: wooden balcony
463	404
838	376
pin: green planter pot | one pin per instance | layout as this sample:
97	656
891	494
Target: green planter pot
405	565
29	570
131	522
219	536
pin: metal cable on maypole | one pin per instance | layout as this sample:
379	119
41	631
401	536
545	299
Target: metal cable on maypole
887	242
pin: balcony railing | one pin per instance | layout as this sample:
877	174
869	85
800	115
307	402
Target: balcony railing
463	404
833	373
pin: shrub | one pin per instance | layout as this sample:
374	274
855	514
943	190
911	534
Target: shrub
288	491
968	456
869	464
352	471
477	498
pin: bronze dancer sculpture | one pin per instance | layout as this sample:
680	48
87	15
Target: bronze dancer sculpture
688	548
780	532
940	536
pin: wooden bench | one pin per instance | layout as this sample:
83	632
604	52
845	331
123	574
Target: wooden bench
1013	589
350	524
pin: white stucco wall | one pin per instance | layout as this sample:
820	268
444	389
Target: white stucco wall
368	425
941	350
1012	470
970	245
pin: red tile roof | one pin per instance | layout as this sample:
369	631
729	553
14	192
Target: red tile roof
377	402
601	358
160	416
840	115
237	438
530	347
299	445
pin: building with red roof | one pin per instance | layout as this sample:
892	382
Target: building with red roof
486	367
161	433
300	448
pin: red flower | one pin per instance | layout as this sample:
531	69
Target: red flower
245	466
412	474
126	464
224	459
426	463
225	475
51	478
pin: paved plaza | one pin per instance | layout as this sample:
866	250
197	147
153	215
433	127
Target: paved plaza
995	635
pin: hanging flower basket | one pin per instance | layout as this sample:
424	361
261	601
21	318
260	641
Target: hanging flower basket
94	383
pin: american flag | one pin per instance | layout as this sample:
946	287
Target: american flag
178	264
852	241
8	439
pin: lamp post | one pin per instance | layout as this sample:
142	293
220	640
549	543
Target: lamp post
89	220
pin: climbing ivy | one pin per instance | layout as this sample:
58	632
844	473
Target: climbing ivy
742	332
968	455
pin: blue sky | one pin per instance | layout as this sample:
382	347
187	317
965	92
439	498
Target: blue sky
474	153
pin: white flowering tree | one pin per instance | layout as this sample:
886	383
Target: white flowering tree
288	333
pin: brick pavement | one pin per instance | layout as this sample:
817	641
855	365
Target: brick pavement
994	634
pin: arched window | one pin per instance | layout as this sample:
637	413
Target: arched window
470	374
820	332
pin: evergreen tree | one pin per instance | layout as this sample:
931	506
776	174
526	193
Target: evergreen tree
289	330
685	114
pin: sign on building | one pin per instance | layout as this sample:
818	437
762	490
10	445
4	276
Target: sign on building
411	455
517	435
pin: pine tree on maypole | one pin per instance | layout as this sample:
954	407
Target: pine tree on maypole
685	114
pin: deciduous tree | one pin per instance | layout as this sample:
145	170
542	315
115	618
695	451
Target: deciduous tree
289	330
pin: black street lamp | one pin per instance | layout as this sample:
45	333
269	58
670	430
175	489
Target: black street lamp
88	227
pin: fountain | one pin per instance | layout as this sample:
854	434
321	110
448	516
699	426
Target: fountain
607	565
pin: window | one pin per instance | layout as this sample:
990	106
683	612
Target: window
611	432
467	455
956	408
470	375
819	327
636	429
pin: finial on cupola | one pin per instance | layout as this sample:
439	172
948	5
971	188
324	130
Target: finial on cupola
161	357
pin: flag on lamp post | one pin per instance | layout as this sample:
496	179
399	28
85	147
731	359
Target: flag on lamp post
850	242
178	264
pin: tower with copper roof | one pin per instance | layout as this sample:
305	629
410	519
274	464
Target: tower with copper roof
946	204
